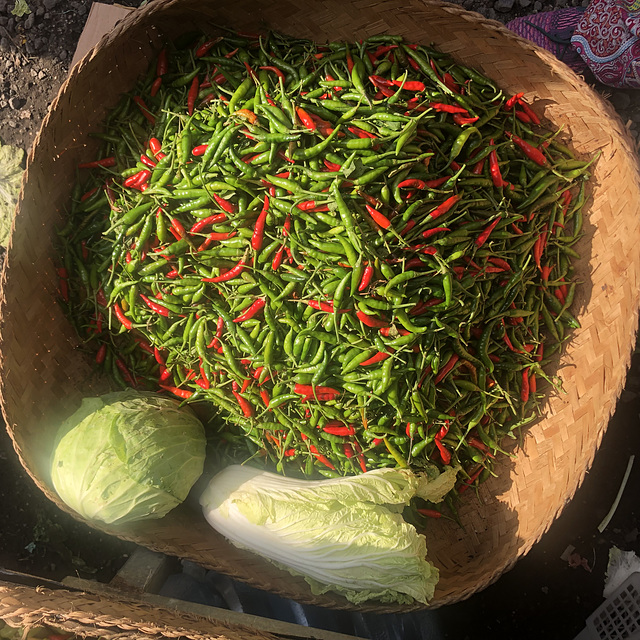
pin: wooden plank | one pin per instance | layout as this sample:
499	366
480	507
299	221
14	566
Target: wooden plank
215	614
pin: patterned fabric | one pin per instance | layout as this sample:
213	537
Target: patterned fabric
552	31
608	39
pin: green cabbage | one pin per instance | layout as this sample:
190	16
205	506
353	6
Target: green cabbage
344	534
127	456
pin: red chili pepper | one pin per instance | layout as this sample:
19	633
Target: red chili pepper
383	49
258	231
522	116
445	206
410	85
245	405
511	102
450	83
145	346
413	183
378	217
481	446
478	167
361	460
225	205
307	390
203	383
88	194
465	485
248	114
410	224
252	310
95	164
432	232
250	71
531	152
380	82
461	120
339	429
306	205
430	513
494	169
320	305
165	373
332	166
199	150
154	306
371	321
546	272
155	87
126	374
205	47
228	275
482	238
539	246
277	258
361	133
204	222
306	119
446	368
147	161
321	458
176	225
524	390
137	179
506	338
378	357
120	315
500	263
436	182
529	112
177	391
101	353
162	64
367	275
145	110
275	70
447	108
444	452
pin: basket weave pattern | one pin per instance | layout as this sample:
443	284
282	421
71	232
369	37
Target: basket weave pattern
44	374
92	616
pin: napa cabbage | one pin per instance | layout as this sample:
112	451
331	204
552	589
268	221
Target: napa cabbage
342	534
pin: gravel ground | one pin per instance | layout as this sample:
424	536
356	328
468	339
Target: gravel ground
36	50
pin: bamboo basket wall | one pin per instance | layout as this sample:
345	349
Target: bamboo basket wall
44	374
89	616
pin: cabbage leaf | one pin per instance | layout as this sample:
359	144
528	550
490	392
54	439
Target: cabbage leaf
10	180
342	534
127	456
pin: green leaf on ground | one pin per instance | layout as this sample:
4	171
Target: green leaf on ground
20	9
10	179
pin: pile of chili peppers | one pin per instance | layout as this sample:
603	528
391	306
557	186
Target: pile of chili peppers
359	254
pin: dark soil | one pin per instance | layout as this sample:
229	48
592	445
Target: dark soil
543	596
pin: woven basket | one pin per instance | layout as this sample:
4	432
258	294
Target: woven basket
90	616
44	375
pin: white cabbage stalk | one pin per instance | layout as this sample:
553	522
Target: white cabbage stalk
342	534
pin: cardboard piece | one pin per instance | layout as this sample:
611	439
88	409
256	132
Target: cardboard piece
102	18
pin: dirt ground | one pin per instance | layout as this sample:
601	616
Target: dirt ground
37	538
